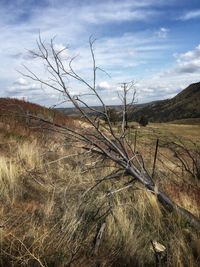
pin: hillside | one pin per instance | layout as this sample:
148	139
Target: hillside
184	105
16	118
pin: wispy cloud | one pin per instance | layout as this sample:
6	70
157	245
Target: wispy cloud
128	47
162	32
193	14
163	84
189	62
170	81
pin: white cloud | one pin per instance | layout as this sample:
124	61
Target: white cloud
125	56
168	82
122	14
164	84
189	62
64	51
104	85
162	33
125	52
21	81
191	15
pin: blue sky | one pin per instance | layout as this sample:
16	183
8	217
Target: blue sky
156	43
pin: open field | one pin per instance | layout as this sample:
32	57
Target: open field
181	130
189	131
47	221
189	121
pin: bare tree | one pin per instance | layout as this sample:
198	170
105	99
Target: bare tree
128	87
103	141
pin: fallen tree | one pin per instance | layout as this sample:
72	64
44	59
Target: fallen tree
98	138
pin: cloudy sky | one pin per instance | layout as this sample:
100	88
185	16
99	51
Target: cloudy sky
156	43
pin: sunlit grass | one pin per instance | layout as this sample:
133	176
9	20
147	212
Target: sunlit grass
46	220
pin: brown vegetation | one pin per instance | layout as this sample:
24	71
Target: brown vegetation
44	221
17	117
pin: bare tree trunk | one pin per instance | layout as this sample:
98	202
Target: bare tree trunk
167	203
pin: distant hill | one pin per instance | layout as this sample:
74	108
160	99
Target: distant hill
76	113
184	105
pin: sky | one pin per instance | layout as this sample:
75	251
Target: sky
155	43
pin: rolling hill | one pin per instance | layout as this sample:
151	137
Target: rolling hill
184	105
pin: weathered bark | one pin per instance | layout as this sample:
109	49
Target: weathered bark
166	202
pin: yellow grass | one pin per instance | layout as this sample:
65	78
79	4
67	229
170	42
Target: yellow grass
181	130
8	179
46	221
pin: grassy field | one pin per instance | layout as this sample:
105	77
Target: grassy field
47	220
181	130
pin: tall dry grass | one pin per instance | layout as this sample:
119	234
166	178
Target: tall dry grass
46	220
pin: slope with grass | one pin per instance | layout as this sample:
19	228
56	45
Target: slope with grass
21	119
183	106
48	220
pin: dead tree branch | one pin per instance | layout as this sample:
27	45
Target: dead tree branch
107	143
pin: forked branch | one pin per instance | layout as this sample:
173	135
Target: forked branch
107	143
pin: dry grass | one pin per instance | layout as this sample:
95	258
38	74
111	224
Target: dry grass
182	130
8	179
46	221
